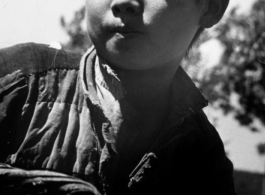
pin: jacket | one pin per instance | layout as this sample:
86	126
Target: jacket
60	114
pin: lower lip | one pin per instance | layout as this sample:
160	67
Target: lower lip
127	34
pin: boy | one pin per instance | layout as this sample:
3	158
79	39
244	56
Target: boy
129	121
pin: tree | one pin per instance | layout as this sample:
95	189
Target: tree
240	75
261	151
78	38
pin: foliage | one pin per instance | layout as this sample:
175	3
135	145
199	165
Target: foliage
238	81
78	38
261	148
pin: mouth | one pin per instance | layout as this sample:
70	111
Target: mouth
124	31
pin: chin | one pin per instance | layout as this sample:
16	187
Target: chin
127	56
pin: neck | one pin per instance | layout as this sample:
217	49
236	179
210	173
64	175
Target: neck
148	90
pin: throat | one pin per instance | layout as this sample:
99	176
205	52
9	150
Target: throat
148	91
148	99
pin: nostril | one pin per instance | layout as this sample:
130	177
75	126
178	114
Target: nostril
130	10
116	10
127	7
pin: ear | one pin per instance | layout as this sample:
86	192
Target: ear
212	12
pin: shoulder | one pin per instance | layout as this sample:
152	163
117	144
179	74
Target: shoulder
32	57
195	135
194	154
200	131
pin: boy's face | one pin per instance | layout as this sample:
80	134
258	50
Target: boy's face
142	34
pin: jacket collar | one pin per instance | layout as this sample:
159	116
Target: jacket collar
185	98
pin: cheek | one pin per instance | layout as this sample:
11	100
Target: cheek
174	35
93	19
95	9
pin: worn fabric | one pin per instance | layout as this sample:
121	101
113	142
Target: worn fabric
38	182
57	115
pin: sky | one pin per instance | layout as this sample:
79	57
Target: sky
39	21
34	20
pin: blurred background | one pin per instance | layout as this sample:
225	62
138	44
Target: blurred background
227	64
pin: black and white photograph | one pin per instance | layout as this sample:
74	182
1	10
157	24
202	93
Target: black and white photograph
132	97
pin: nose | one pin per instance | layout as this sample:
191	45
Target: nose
128	7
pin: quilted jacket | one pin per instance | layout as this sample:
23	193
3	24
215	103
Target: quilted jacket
63	112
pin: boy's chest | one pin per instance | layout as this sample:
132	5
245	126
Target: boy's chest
135	135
